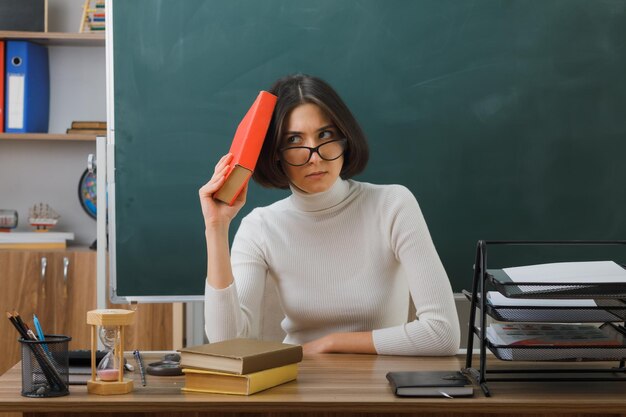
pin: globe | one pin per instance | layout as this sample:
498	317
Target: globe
87	192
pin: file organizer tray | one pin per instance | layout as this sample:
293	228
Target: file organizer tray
608	296
557	314
562	353
551	290
607	310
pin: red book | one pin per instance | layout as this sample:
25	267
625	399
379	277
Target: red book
246	146
1	86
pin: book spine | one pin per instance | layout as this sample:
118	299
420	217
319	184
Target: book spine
268	379
268	360
222	383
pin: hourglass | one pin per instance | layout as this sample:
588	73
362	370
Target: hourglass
108	326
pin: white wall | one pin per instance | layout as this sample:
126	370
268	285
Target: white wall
48	172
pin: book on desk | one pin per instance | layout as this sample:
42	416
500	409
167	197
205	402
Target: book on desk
239	366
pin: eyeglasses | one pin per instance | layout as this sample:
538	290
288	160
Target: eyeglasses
300	155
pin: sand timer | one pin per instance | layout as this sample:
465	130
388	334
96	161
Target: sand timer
108	377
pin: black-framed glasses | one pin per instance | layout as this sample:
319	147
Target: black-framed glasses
300	155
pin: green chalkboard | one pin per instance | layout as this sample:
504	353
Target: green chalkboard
505	118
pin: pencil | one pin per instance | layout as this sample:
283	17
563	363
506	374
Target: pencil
17	326
19	320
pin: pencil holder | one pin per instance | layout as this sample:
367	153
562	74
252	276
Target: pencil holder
45	366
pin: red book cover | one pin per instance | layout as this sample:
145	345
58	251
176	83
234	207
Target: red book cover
1	86
246	146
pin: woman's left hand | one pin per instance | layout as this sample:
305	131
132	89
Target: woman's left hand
321	345
351	342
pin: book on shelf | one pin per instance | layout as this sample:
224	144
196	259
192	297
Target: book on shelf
98	132
240	356
198	380
89	125
430	384
551	334
35	240
246	146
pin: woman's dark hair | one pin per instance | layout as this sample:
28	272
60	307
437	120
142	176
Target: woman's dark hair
292	91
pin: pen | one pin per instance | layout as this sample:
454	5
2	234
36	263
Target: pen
445	394
40	332
140	365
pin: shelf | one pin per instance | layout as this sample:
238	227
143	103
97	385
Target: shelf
57	38
47	136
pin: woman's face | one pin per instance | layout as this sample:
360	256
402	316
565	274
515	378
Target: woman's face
308	125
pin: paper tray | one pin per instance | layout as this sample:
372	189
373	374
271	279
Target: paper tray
606	310
561	290
557	314
559	353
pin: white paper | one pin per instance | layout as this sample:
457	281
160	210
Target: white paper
569	272
498	300
15	108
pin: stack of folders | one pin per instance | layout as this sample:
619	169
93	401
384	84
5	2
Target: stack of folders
239	366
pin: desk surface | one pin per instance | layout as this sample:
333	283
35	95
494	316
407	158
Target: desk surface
334	383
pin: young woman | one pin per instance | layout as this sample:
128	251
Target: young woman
344	255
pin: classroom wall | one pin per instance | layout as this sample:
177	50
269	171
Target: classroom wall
49	172
39	171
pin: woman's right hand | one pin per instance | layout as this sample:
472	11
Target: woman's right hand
214	211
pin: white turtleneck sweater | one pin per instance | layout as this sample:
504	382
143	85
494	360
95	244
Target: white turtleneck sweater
343	260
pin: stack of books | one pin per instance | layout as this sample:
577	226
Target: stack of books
239	366
88	128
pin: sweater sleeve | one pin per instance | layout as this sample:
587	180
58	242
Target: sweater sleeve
235	311
435	330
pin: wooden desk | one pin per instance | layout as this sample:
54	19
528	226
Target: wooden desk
329	385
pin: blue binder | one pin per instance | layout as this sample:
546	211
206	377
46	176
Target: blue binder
27	89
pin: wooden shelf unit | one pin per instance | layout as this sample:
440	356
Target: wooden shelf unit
57	38
47	136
